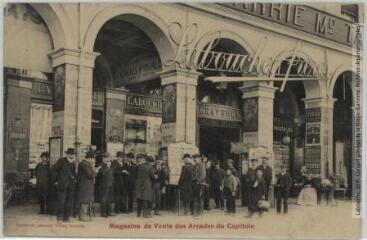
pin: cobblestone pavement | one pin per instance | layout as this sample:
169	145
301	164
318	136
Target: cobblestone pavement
323	221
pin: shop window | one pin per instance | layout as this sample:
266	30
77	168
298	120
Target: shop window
136	130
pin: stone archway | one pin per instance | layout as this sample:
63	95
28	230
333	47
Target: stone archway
154	26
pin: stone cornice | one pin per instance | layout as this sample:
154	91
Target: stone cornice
179	75
73	56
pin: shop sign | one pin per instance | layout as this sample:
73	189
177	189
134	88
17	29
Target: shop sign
141	71
143	104
219	112
300	17
189	56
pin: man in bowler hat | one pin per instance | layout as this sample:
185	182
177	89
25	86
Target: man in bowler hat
42	172
119	186
282	189
64	179
130	171
267	173
85	186
144	186
105	186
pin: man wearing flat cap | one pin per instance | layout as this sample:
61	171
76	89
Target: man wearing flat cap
85	193
105	177
42	172
64	179
144	186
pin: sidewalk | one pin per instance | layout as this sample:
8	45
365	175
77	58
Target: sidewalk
307	222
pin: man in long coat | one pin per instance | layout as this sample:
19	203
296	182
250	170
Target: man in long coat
64	179
218	175
85	194
185	184
42	172
199	175
267	174
282	189
119	186
106	186
250	180
130	172
257	192
144	186
159	185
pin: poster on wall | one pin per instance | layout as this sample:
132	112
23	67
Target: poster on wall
169	104
59	88
176	152
250	115
312	133
114	120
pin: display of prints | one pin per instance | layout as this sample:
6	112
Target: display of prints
176	152
312	133
59	88
115	120
169	104
312	159
250	115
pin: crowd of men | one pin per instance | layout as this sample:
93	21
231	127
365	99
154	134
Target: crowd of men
118	183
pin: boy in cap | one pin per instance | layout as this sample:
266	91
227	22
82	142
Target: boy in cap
42	172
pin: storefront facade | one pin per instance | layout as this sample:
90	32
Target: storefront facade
135	77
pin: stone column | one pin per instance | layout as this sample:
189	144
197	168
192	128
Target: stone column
317	135
115	105
330	148
258	114
72	112
17	124
258	101
179	106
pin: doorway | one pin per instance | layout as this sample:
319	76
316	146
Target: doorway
215	142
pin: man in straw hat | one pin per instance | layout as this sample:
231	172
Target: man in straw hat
64	178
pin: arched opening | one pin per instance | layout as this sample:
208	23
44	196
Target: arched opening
216	132
130	59
342	130
289	121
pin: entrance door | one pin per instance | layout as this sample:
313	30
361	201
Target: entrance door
215	142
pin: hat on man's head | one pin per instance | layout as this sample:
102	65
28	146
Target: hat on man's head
186	155
150	159
196	156
70	151
106	155
120	154
90	154
45	154
253	160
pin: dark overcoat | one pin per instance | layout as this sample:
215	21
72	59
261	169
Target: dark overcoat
185	183
267	173
119	186
257	192
64	174
130	178
144	182
85	185
283	185
42	172
217	178
105	184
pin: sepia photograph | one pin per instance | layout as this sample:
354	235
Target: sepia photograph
227	120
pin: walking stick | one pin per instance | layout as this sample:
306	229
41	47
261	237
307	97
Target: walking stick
179	212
